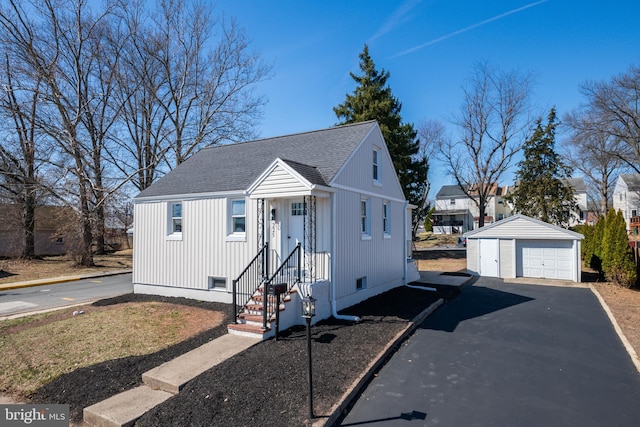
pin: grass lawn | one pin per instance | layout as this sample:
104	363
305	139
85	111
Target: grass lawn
16	270
39	348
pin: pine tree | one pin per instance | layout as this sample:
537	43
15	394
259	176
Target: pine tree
542	191
372	99
595	261
617	263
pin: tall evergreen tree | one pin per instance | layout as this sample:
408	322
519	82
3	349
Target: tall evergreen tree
542	190
372	99
617	261
595	261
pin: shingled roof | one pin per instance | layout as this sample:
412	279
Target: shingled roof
317	155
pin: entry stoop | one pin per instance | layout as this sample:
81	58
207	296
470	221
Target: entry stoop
122	410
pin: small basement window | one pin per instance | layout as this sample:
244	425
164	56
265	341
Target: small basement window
361	283
219	283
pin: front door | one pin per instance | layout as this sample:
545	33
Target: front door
297	215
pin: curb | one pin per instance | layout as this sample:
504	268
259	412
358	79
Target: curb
373	367
63	279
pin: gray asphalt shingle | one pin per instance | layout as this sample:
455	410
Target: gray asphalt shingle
317	155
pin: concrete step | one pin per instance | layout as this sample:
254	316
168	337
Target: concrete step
254	331
122	410
171	376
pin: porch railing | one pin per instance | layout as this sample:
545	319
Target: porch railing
289	272
250	280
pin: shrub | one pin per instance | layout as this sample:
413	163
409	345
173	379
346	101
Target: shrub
617	261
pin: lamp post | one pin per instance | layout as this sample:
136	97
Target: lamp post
308	311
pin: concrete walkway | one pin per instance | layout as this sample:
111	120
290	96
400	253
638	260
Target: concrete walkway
162	382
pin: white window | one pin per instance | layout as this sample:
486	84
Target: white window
500	216
376	165
298	209
365	222
175	213
452	201
219	283
386	225
634	212
238	216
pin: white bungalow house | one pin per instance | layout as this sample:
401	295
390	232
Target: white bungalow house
322	212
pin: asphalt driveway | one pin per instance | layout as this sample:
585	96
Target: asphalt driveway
507	355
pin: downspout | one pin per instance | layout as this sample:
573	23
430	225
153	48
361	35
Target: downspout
334	246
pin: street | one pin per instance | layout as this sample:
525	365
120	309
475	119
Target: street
36	298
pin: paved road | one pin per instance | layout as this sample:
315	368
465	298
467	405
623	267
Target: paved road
507	355
43	297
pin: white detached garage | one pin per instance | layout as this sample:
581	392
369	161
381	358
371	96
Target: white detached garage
520	246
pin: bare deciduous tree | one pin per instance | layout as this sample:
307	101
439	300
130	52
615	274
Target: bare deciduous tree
595	153
206	93
118	93
432	135
613	107
18	157
493	123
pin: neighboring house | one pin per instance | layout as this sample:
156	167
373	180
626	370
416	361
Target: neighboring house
50	223
626	198
325	205
452	213
581	215
521	246
456	213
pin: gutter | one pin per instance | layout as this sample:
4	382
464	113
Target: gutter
334	245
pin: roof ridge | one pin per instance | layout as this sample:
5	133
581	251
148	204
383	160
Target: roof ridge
289	135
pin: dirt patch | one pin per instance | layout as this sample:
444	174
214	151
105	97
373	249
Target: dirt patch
16	270
87	335
441	260
430	240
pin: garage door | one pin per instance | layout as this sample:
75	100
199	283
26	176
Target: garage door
549	259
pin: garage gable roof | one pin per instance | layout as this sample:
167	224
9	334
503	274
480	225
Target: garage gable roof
523	227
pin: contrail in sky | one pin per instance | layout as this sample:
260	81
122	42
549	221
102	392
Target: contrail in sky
469	28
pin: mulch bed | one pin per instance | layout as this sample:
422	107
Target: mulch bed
265	385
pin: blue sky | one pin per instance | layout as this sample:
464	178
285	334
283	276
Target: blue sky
429	47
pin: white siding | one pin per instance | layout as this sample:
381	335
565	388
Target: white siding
380	260
507	258
358	172
472	256
279	183
202	251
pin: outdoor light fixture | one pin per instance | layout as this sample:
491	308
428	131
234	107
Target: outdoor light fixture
308	311
308	307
